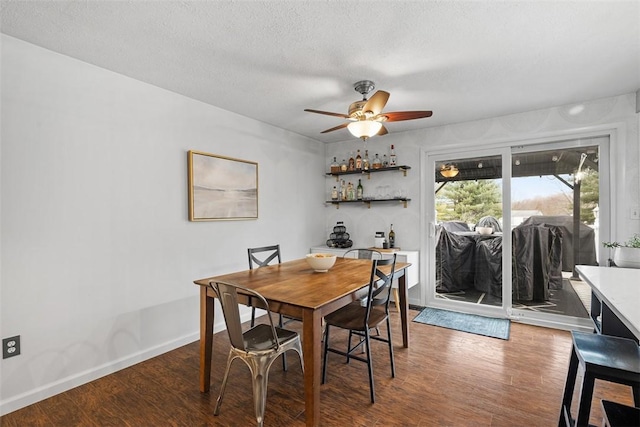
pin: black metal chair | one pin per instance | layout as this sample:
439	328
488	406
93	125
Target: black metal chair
258	347
362	253
261	257
267	254
359	319
600	357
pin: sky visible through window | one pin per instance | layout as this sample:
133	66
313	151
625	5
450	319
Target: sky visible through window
535	186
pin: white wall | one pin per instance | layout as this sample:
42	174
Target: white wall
618	111
98	256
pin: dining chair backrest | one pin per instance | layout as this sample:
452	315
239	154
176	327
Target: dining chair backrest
264	259
228	296
362	253
379	290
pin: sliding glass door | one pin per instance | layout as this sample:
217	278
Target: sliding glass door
555	219
507	226
466	231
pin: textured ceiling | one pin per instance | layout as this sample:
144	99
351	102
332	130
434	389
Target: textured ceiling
269	60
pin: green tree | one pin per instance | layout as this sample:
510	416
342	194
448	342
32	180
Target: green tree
589	195
469	201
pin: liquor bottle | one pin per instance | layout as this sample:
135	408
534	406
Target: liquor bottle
352	162
360	190
350	194
377	164
343	191
392	237
334	193
335	167
393	161
385	162
343	166
365	161
358	161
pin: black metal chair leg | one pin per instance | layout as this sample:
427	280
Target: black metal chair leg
568	390
370	366
284	355
324	359
393	365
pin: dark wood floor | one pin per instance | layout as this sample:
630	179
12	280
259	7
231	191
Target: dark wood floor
445	378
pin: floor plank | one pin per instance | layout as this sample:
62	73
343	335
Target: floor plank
445	378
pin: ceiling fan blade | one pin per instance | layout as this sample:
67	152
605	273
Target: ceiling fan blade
327	113
399	116
376	103
344	125
383	131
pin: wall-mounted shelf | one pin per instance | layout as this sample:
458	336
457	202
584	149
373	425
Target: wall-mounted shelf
402	169
369	201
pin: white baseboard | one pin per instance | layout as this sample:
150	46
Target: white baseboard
48	390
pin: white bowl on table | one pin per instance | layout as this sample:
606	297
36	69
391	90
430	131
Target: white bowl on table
321	262
484	230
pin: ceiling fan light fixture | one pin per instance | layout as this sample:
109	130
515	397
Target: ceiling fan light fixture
449	171
364	128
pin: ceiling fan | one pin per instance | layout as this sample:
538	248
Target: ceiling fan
366	116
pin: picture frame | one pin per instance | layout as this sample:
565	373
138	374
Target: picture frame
221	188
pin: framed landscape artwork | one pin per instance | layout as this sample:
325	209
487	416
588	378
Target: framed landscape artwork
221	188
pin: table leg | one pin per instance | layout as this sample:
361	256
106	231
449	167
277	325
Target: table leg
312	354
404	309
206	338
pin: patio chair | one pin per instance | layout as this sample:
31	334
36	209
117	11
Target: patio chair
258	347
359	320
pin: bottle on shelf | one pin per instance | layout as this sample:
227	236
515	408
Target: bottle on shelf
377	164
343	191
393	160
365	161
334	193
385	162
352	162
392	237
350	194
335	167
359	190
358	161
343	166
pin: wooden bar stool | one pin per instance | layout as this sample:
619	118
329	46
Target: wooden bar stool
618	415
601	357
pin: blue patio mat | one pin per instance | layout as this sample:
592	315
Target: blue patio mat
480	325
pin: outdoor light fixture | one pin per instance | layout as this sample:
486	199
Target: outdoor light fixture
448	171
364	128
517	162
479	165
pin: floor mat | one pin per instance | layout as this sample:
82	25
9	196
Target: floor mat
480	325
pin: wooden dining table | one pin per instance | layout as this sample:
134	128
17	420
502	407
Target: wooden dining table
295	289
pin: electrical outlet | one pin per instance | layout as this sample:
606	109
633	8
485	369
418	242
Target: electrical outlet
10	347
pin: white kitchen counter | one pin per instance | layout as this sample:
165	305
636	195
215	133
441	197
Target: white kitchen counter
618	290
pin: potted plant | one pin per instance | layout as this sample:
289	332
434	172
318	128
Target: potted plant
626	254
